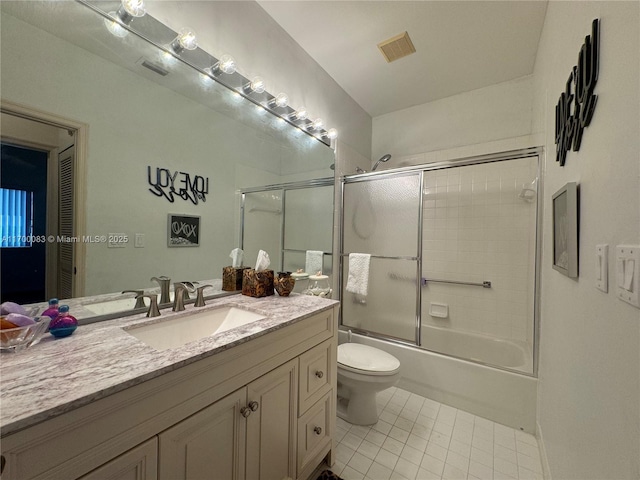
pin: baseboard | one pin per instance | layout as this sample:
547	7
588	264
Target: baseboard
546	471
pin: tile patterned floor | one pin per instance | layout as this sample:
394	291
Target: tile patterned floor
417	438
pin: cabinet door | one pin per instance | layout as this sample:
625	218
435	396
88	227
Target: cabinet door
139	463
208	445
271	427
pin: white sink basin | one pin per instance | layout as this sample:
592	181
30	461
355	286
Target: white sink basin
179	331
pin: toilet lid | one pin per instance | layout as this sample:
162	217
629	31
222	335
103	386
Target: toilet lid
357	357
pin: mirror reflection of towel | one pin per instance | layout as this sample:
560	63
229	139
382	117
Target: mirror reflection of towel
313	262
358	279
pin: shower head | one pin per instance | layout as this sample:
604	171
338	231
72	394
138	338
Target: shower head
384	158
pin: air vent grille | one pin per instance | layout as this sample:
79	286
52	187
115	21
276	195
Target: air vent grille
154	67
397	47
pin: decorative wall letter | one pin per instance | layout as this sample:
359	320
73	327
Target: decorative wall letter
168	185
579	92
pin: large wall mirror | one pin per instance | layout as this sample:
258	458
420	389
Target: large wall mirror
144	129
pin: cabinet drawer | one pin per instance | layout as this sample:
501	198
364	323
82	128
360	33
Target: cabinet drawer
315	374
314	431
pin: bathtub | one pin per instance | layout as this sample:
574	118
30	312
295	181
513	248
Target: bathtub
499	395
479	348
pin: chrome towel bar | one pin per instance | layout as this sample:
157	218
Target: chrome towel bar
485	284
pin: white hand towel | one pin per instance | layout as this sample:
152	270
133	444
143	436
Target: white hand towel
358	280
313	262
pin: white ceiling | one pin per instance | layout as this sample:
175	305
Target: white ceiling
461	45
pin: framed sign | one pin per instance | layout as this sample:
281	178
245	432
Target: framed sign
183	230
565	230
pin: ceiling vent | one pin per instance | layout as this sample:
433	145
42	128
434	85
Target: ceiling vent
397	47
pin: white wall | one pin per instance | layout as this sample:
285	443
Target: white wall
589	394
260	46
488	114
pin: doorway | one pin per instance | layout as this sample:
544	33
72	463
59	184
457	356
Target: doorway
39	180
23	206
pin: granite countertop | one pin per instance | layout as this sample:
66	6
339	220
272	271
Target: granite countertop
99	359
78	306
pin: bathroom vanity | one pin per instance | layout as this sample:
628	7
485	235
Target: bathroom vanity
256	401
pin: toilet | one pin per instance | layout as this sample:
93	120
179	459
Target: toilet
363	371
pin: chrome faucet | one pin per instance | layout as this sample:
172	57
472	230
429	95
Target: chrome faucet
139	298
180	289
189	287
164	283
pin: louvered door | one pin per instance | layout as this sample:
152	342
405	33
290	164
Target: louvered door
66	162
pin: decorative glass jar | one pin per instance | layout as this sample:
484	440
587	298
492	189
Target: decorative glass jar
319	286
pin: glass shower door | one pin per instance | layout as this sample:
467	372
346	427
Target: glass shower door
262	227
381	217
308	225
478	259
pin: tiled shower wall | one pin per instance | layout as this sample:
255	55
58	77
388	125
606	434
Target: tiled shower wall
477	228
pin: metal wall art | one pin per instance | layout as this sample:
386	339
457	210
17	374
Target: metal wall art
183	185
571	122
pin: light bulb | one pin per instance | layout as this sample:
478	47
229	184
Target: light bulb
129	9
135	8
226	64
281	100
300	114
255	85
114	26
332	134
186	40
317	124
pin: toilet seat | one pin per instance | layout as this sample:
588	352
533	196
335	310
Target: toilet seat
366	360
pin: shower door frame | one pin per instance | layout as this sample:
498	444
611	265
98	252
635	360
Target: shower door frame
364	177
318	182
421	169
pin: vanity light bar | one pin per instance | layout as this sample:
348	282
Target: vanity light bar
182	46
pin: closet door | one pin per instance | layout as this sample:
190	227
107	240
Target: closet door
382	218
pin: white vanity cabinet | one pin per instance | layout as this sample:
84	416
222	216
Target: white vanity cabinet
261	410
248	434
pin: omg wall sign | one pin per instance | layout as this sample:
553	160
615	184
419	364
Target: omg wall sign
577	103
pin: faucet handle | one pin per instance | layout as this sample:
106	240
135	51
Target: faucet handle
153	308
200	295
139	297
179	291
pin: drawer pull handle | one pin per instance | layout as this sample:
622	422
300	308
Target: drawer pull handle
319	374
317	430
245	412
3	462
253	406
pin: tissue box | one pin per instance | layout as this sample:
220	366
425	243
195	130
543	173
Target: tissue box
232	278
257	284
